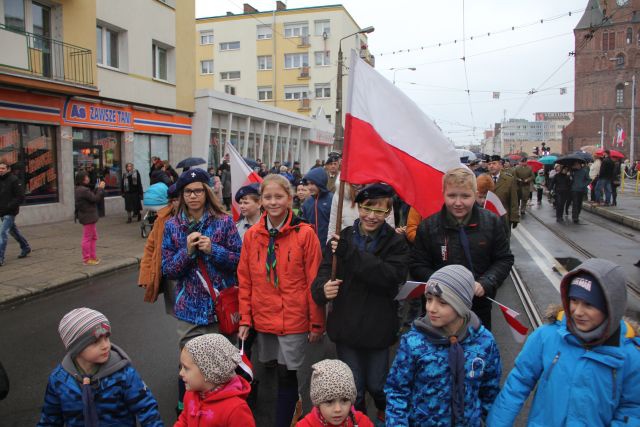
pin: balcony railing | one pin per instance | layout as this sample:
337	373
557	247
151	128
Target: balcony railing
304	72
304	41
45	57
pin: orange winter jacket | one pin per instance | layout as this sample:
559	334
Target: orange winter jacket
287	308
151	263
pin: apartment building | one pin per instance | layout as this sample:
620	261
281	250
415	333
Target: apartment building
92	84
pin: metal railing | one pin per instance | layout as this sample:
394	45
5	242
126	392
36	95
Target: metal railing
52	59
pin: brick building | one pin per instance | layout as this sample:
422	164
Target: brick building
607	56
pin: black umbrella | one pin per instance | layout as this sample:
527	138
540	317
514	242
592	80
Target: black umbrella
570	160
190	162
586	156
251	163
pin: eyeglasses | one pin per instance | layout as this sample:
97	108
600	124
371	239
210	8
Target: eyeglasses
197	192
378	213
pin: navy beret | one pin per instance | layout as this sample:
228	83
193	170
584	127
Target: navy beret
495	158
172	193
374	191
247	189
191	176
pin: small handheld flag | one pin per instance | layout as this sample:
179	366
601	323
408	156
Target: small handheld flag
410	290
518	330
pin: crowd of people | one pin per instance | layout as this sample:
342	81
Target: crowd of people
283	276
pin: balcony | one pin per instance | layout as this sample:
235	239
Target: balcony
45	59
304	73
304	41
305	105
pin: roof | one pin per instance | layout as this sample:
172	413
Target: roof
592	17
269	12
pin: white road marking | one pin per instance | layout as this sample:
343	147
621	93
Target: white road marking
540	255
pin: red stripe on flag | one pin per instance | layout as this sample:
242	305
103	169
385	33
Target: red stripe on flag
368	158
515	325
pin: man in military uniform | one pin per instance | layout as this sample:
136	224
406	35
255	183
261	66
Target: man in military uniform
507	192
332	167
524	177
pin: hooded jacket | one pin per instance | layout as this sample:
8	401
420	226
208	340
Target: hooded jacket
225	407
578	385
418	386
119	393
87	203
287	308
580	179
317	209
150	273
11	194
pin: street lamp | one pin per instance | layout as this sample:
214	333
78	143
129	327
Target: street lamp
633	117
395	70
338	139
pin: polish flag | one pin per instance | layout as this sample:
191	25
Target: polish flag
241	175
245	364
518	330
389	139
410	290
492	203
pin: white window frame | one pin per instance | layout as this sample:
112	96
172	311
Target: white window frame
226	46
262	33
227	75
206	66
230	90
157	50
294	93
322	58
267	91
296	60
322	26
206	37
104	57
265	62
296	29
325	89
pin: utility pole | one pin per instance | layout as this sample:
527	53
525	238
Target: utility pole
602	133
633	119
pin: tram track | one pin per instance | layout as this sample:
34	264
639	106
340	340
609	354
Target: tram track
531	311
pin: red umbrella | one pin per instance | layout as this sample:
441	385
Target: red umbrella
514	157
613	153
535	165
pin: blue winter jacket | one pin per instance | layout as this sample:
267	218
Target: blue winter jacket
119	394
576	386
316	210
193	303
418	386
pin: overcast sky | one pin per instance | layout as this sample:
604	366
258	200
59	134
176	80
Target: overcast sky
512	62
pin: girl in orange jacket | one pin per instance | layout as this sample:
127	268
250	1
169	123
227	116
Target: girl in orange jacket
279	260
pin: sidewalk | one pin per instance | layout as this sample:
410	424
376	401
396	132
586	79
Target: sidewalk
56	258
627	211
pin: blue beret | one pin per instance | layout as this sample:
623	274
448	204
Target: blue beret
191	176
374	191
247	189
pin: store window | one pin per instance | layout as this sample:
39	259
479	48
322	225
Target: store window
147	146
30	151
98	153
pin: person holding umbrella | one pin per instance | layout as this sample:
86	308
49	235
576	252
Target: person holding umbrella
579	186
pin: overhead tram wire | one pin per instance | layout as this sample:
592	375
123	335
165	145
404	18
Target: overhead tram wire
466	73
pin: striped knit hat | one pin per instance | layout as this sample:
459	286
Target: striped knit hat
81	327
454	284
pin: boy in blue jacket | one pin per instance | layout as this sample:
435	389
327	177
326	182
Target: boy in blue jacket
447	368
95	384
586	362
316	210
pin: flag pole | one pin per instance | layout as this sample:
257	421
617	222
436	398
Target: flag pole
334	260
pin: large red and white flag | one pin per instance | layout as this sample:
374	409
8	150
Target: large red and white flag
493	204
389	139
241	175
410	290
518	330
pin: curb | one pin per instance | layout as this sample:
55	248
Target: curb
613	216
70	281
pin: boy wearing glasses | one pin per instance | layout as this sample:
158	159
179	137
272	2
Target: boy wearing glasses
363	322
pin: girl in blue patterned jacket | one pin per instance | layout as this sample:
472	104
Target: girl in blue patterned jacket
447	368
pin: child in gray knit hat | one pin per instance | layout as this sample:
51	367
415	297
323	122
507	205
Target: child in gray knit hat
333	393
216	395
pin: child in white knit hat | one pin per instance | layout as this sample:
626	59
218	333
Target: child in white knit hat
95	384
333	393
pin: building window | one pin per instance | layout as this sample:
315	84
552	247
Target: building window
296	29
620	94
619	60
206	37
14	14
609	41
296	60
230	75
323	90
230	46
146	146
629	35
159	62
264	32
98	153
265	62
107	46
265	93
323	58
231	90
206	67
296	92
322	27
30	151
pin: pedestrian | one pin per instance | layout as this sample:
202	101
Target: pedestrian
263	170
95	384
171	172
447	369
562	190
276	167
295	171
317	208
200	250
87	200
302	194
484	184
279	260
11	197
615	183
363	319
132	192
585	361
539	184
224	172
594	173
605	179
462	233
579	184
284	171
333	393
216	396
413	221
158	174
217	188
332	167
507	191
248	199
524	179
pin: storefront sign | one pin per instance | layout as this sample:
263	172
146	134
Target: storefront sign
83	114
